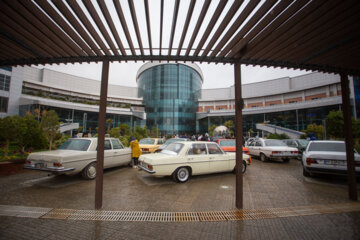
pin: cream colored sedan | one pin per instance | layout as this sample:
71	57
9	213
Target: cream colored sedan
184	159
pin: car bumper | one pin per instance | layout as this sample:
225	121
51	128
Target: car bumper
49	169
146	169
275	156
329	171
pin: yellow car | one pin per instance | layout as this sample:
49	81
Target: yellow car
150	145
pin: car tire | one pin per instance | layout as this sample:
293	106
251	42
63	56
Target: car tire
181	175
89	172
286	160
244	167
263	158
306	173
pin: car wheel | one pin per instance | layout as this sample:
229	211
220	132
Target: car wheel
263	158
89	172
182	174
286	159
244	167
306	173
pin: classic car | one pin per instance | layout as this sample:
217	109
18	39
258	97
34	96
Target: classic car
300	144
266	149
78	155
150	145
184	159
327	157
171	140
229	145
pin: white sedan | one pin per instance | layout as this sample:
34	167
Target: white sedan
266	149
327	157
184	159
79	155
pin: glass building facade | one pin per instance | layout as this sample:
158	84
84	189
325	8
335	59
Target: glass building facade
170	95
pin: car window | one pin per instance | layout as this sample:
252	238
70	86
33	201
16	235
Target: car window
327	147
197	149
116	144
227	143
173	148
258	144
275	143
160	141
147	141
107	145
214	149
303	142
75	144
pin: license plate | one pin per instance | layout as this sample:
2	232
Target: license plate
40	165
335	162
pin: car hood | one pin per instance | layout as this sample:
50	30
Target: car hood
330	155
56	155
147	146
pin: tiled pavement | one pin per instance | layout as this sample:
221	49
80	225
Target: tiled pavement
266	185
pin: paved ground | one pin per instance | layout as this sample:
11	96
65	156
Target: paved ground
266	185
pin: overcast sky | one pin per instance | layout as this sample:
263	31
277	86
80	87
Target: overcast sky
215	76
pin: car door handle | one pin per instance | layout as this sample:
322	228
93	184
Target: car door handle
190	159
211	157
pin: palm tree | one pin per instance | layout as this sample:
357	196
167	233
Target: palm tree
109	122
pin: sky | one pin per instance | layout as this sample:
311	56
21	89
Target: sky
215	75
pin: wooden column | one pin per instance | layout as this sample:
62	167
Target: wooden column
101	135
349	141
239	136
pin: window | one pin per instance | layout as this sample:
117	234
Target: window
258	144
214	149
107	145
197	149
4	82
4	104
116	144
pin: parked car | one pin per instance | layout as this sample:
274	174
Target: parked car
229	145
171	140
267	149
327	157
78	155
300	144
184	159
149	145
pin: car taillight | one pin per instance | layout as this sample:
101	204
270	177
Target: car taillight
310	161
246	151
276	152
295	152
150	167
27	161
145	149
249	160
56	164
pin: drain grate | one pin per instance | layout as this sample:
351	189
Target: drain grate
212	216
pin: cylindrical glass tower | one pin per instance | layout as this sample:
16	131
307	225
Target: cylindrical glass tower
170	94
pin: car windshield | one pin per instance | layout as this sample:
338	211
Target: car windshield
76	144
327	147
227	143
274	143
303	142
173	148
147	141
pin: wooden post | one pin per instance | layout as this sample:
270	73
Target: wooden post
349	141
101	135
239	136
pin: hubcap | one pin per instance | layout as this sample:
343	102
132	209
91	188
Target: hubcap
92	172
183	174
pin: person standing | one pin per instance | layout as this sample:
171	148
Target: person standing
136	152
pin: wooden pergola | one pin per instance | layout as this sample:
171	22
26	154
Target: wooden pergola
321	35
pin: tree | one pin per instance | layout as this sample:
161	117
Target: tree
155	132
335	124
109	122
34	136
9	131
124	129
316	130
278	136
50	126
229	124
211	130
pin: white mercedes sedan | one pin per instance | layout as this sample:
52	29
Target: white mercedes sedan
184	159
327	157
78	155
271	149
